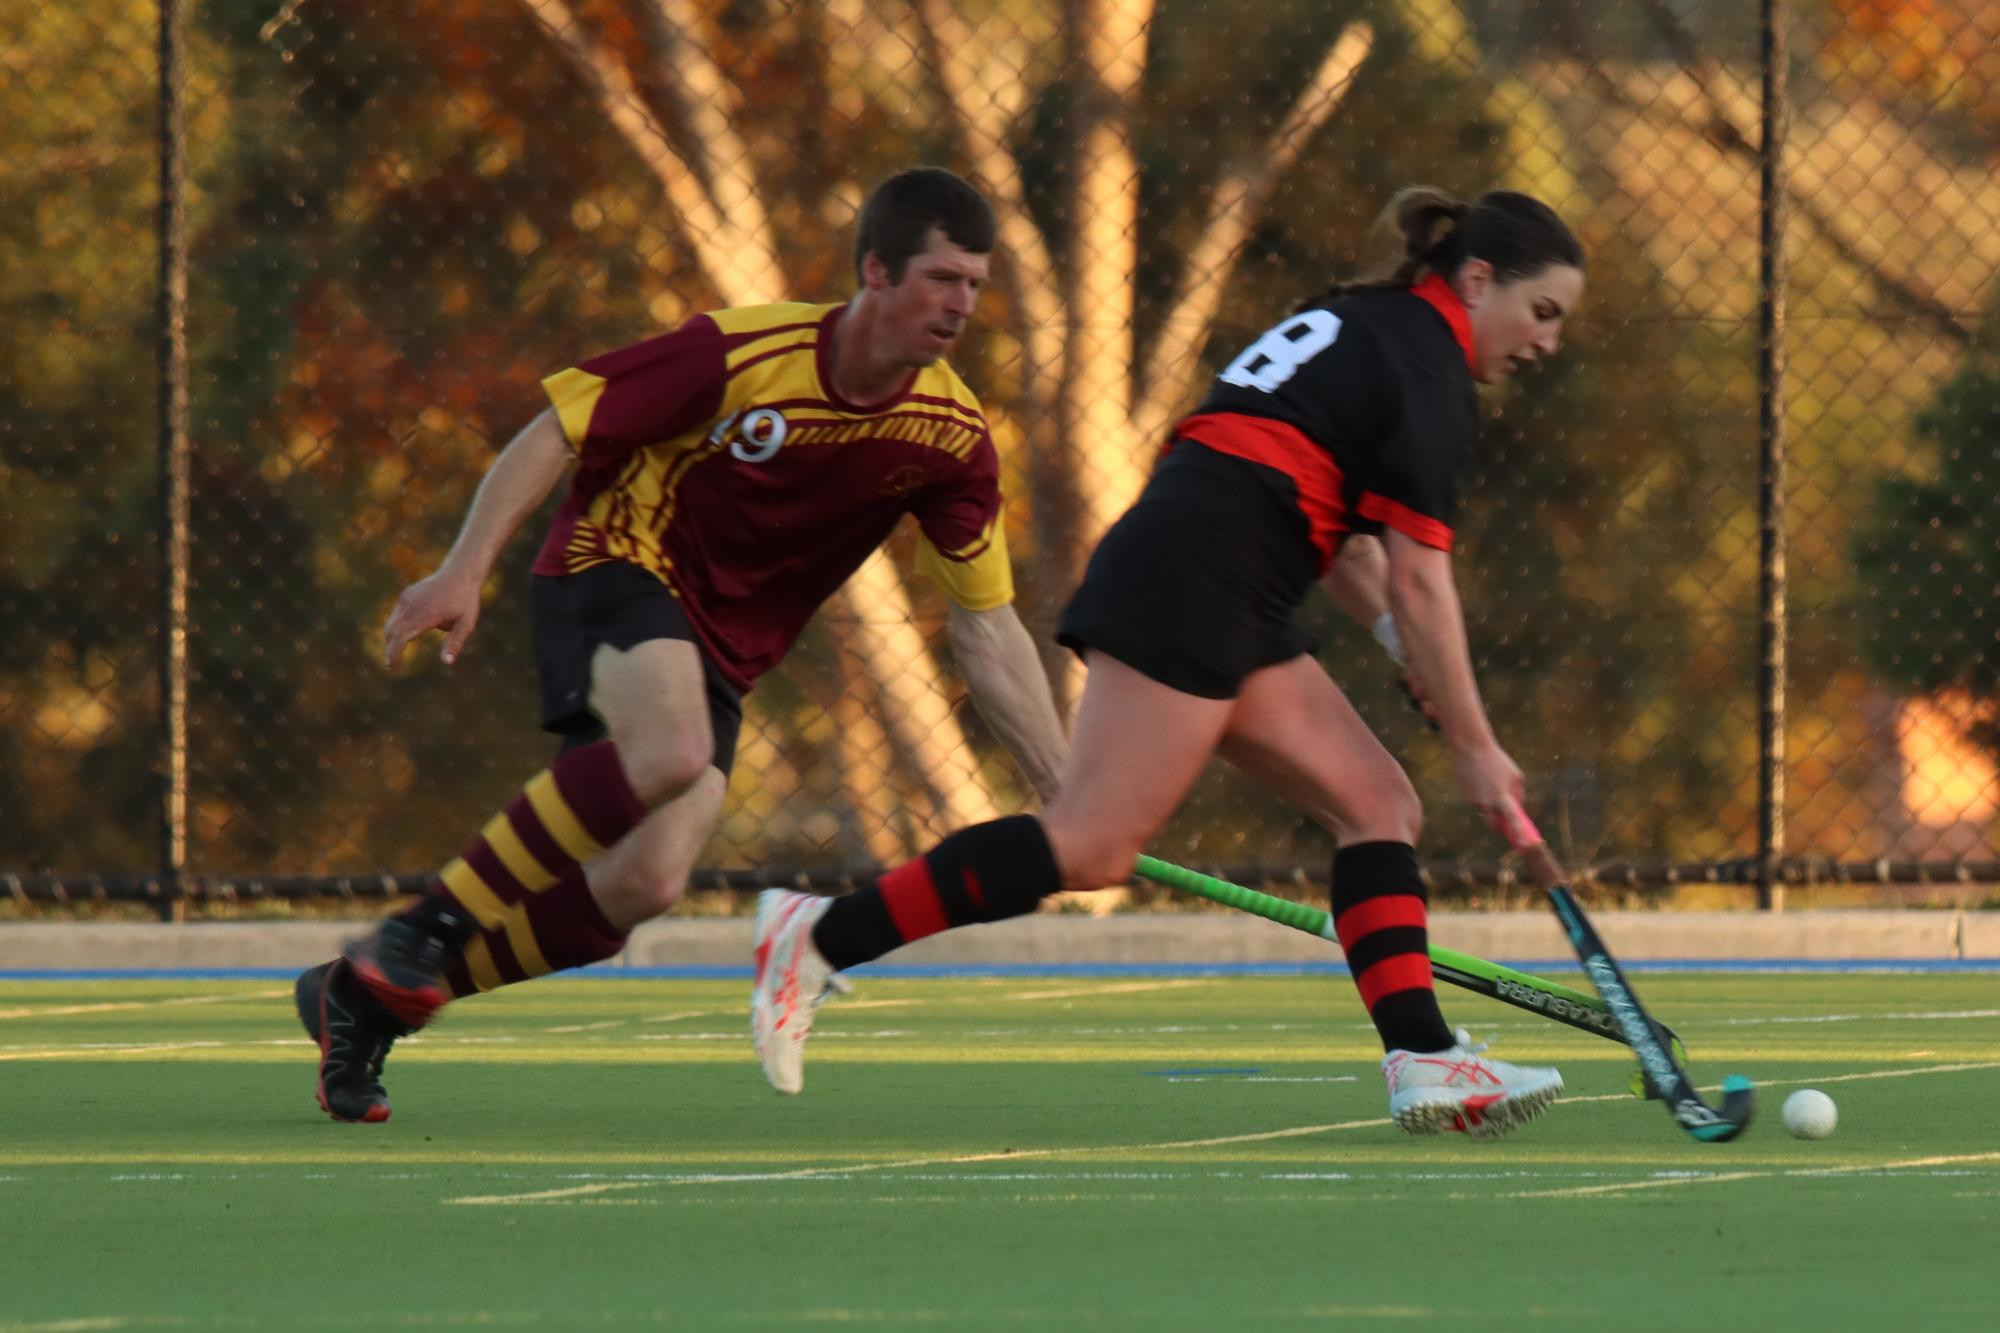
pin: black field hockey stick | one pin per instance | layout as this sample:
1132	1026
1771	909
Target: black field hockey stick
1662	1071
1550	999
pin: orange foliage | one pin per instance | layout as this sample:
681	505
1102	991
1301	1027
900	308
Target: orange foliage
1945	51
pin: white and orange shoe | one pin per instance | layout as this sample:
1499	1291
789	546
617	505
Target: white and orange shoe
792	981
1462	1091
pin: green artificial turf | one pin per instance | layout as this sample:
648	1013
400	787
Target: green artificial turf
1065	1153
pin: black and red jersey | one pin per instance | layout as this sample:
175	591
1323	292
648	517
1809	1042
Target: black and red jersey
1366	402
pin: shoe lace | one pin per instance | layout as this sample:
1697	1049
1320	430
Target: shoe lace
1470	1047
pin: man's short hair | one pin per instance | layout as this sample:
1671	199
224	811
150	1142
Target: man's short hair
896	221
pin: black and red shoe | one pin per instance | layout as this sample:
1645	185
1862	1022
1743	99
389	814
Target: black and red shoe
353	1043
403	967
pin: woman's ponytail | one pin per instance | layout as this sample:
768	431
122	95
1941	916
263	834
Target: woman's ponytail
1516	233
1428	220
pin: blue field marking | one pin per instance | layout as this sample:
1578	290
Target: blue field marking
1001	971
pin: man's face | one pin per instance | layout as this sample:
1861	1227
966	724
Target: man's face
1516	324
922	316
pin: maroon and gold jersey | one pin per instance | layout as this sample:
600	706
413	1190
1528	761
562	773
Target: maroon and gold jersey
719	458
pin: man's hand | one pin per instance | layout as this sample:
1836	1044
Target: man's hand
447	600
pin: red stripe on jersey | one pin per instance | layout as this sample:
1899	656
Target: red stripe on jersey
965	415
732	341
1383	913
1437	293
911	896
965	556
1403	971
761	357
1421	527
1277	444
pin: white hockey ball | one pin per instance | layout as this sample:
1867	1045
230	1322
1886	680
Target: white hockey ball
1810	1114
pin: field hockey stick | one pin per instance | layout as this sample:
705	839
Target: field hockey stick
1663	1072
1548	998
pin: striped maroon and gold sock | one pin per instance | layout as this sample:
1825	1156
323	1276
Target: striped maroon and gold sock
552	930
565	816
988	872
1382	916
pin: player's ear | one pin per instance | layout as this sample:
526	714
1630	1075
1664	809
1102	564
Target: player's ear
874	273
1473	281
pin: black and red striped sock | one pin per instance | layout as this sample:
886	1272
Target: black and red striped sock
1382	916
988	872
565	816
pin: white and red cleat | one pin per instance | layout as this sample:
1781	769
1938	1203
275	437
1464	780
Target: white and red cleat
1460	1090
791	982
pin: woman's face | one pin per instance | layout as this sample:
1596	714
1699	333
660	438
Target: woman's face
1517	323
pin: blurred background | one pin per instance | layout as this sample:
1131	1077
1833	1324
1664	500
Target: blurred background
391	219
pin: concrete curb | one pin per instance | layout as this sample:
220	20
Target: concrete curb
1063	938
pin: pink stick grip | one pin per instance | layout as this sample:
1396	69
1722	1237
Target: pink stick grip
1520	830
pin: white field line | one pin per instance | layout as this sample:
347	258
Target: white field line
1966	1067
1727	1177
1912	1164
94	1050
1943	1016
38	1011
1123	988
1074	992
1259	1078
1178	983
842	1005
1300	1131
1015	997
863	1168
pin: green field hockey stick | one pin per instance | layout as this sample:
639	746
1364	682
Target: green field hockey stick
1550	999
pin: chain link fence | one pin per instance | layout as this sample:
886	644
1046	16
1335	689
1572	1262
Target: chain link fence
398	217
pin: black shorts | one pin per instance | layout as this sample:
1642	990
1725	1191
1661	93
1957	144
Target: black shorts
1195	587
618	605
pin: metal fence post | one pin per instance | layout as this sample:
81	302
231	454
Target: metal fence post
1771	464
173	461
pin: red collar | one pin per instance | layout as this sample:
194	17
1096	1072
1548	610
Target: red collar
1444	300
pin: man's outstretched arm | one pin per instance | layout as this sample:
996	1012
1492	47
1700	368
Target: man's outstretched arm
997	657
513	488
